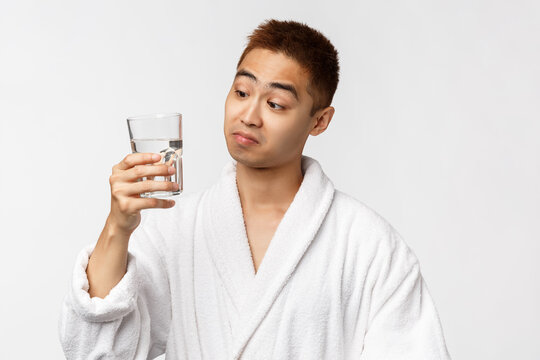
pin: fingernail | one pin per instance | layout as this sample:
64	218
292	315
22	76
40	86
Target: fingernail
156	157
171	170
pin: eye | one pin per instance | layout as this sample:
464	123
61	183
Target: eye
279	107
240	93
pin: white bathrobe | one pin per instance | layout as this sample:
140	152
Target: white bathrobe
337	282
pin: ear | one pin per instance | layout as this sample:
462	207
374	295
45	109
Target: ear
321	120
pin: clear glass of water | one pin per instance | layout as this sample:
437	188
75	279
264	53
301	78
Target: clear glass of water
161	134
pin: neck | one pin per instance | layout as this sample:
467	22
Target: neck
270	188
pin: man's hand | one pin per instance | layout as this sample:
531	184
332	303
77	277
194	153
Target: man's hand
126	186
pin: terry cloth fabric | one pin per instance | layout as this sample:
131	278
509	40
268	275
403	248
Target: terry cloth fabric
337	282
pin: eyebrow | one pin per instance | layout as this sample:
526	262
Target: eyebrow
274	85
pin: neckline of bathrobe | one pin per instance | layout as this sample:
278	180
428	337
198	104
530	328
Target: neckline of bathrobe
252	294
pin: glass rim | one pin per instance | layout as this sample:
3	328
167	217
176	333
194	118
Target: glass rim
153	116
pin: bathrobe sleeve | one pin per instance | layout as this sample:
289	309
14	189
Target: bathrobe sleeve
133	320
404	323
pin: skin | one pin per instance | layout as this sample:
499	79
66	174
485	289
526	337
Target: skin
269	173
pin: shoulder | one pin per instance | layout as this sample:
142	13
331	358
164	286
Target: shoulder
367	231
371	248
358	214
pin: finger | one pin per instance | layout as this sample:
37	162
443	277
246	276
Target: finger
139	171
150	203
140	187
137	159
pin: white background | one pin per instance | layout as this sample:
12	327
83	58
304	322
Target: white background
436	128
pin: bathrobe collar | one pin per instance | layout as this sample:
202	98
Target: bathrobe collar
225	234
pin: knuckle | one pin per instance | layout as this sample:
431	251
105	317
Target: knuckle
112	179
123	205
138	170
162	185
146	185
150	185
115	192
125	161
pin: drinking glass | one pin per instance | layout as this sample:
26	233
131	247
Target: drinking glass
161	134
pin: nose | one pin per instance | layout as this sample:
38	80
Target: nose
251	114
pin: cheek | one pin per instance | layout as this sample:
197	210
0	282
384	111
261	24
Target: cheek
231	108
285	132
227	103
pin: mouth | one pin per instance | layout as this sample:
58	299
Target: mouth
244	138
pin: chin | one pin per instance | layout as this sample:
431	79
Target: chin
243	159
248	159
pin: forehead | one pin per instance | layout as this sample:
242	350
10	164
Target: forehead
269	66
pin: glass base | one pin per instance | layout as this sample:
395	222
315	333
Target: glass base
161	194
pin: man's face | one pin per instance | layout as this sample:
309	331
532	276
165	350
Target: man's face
262	104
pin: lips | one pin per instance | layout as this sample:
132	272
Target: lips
241	135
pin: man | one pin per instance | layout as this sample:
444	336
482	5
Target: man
272	262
